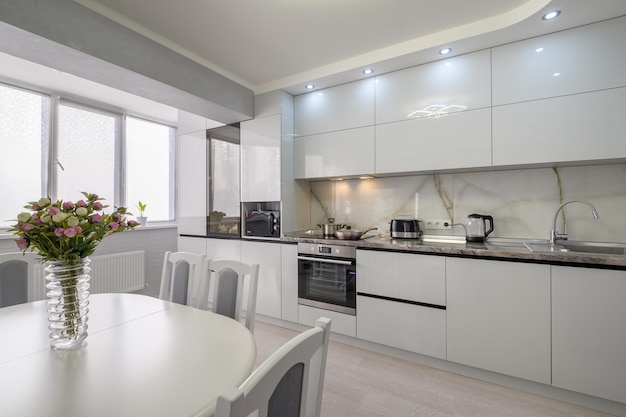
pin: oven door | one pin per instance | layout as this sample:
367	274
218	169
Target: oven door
327	283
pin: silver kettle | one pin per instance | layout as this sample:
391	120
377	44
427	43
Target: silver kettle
476	228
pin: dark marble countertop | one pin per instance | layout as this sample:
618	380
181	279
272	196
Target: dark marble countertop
536	251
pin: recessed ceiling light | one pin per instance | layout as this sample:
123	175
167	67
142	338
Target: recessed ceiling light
309	86
445	51
552	14
368	71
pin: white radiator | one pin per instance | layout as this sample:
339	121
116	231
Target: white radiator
117	272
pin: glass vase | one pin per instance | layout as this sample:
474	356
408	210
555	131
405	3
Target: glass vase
68	300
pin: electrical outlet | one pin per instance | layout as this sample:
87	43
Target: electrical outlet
438	224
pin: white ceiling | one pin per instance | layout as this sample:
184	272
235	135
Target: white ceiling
271	44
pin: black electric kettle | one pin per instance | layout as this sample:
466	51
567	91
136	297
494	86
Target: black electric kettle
475	229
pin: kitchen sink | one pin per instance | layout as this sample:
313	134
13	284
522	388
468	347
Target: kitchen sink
597	248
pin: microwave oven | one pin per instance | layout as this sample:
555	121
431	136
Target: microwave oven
262	224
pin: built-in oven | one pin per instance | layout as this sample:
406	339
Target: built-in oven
327	277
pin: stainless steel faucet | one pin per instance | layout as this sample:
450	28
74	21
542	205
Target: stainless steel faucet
554	235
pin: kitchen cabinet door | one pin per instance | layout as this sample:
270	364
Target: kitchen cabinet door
336	154
405	326
345	106
269	292
458	140
289	279
406	276
192	183
260	159
192	244
588	336
498	317
584	59
448	86
576	128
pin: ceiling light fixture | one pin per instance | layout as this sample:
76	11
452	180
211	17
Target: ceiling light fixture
445	51
309	86
552	14
368	71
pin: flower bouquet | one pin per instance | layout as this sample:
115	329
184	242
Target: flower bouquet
65	234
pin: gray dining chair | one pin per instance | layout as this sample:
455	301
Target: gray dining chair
288	384
17	271
184	279
228	279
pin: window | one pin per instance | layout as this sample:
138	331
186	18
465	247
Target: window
89	151
23	143
149	164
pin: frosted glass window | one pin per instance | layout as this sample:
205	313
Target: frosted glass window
86	153
150	168
225	191
23	138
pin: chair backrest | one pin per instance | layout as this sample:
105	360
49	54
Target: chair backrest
16	274
288	383
227	278
184	279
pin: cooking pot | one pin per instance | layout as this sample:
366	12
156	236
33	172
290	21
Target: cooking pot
349	234
407	228
329	229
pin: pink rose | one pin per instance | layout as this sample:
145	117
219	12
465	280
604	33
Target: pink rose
34	207
53	211
81	203
114	226
118	217
38	222
96	218
68	205
132	223
27	226
58	232
97	205
22	243
70	232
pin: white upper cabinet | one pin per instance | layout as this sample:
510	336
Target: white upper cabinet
344	153
579	60
579	128
260	159
191	156
447	86
458	140
337	108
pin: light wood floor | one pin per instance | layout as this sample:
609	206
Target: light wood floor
363	383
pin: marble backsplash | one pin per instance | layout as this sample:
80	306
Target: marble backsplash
522	202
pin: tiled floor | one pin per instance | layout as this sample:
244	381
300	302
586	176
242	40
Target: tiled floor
364	383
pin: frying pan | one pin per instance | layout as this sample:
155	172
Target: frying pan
347	234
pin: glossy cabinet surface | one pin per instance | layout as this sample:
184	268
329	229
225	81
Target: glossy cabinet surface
447	86
261	159
341	323
498	317
269	293
342	153
191	183
192	244
458	140
580	127
583	59
411	277
289	288
588	337
337	108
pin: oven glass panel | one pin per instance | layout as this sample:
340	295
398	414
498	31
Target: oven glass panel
327	282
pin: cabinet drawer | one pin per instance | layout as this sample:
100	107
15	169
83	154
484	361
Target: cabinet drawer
404	326
411	277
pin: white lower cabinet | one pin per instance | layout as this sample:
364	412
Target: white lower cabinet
289	277
192	244
498	317
341	323
404	326
588	331
401	301
268	256
223	249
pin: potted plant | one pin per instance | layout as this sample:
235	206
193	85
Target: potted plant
141	219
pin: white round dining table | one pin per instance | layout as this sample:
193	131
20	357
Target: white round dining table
143	357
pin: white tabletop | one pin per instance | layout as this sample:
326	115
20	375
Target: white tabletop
143	357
